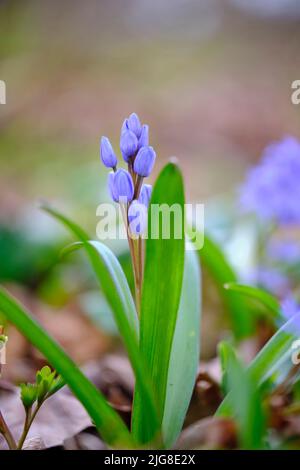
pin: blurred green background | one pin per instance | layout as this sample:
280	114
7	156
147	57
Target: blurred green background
212	78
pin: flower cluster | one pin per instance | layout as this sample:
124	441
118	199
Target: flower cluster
272	188
126	186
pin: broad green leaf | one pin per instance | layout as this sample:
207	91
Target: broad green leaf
185	352
116	290
107	421
216	263
246	403
268	300
164	263
269	358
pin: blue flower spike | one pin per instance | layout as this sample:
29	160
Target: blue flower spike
107	153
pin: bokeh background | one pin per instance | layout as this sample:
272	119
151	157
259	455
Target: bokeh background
212	78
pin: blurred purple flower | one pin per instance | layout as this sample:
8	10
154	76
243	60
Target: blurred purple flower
270	279
289	307
290	310
286	251
272	188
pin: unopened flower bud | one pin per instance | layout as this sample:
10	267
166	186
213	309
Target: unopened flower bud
144	161
128	144
107	153
137	217
121	186
144	137
134	124
145	194
111	186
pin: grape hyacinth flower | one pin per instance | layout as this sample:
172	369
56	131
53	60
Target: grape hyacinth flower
272	188
127	188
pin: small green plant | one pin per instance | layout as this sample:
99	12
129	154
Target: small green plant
33	396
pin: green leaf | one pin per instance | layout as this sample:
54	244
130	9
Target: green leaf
28	394
164	263
269	358
219	268
246	403
116	290
268	300
108	422
56	385
185	352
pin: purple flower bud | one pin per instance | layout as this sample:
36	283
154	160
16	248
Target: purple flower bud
124	126
122	190
128	144
137	217
111	187
144	138
145	194
144	161
134	124
107	153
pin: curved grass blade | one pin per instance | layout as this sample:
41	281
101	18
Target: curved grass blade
270	356
164	263
116	290
246	403
184	358
255	293
216	263
108	422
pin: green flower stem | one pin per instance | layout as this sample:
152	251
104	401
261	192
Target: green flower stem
27	424
4	430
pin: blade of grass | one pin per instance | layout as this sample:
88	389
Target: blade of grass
267	359
107	421
246	403
185	352
219	268
161	292
116	290
255	293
